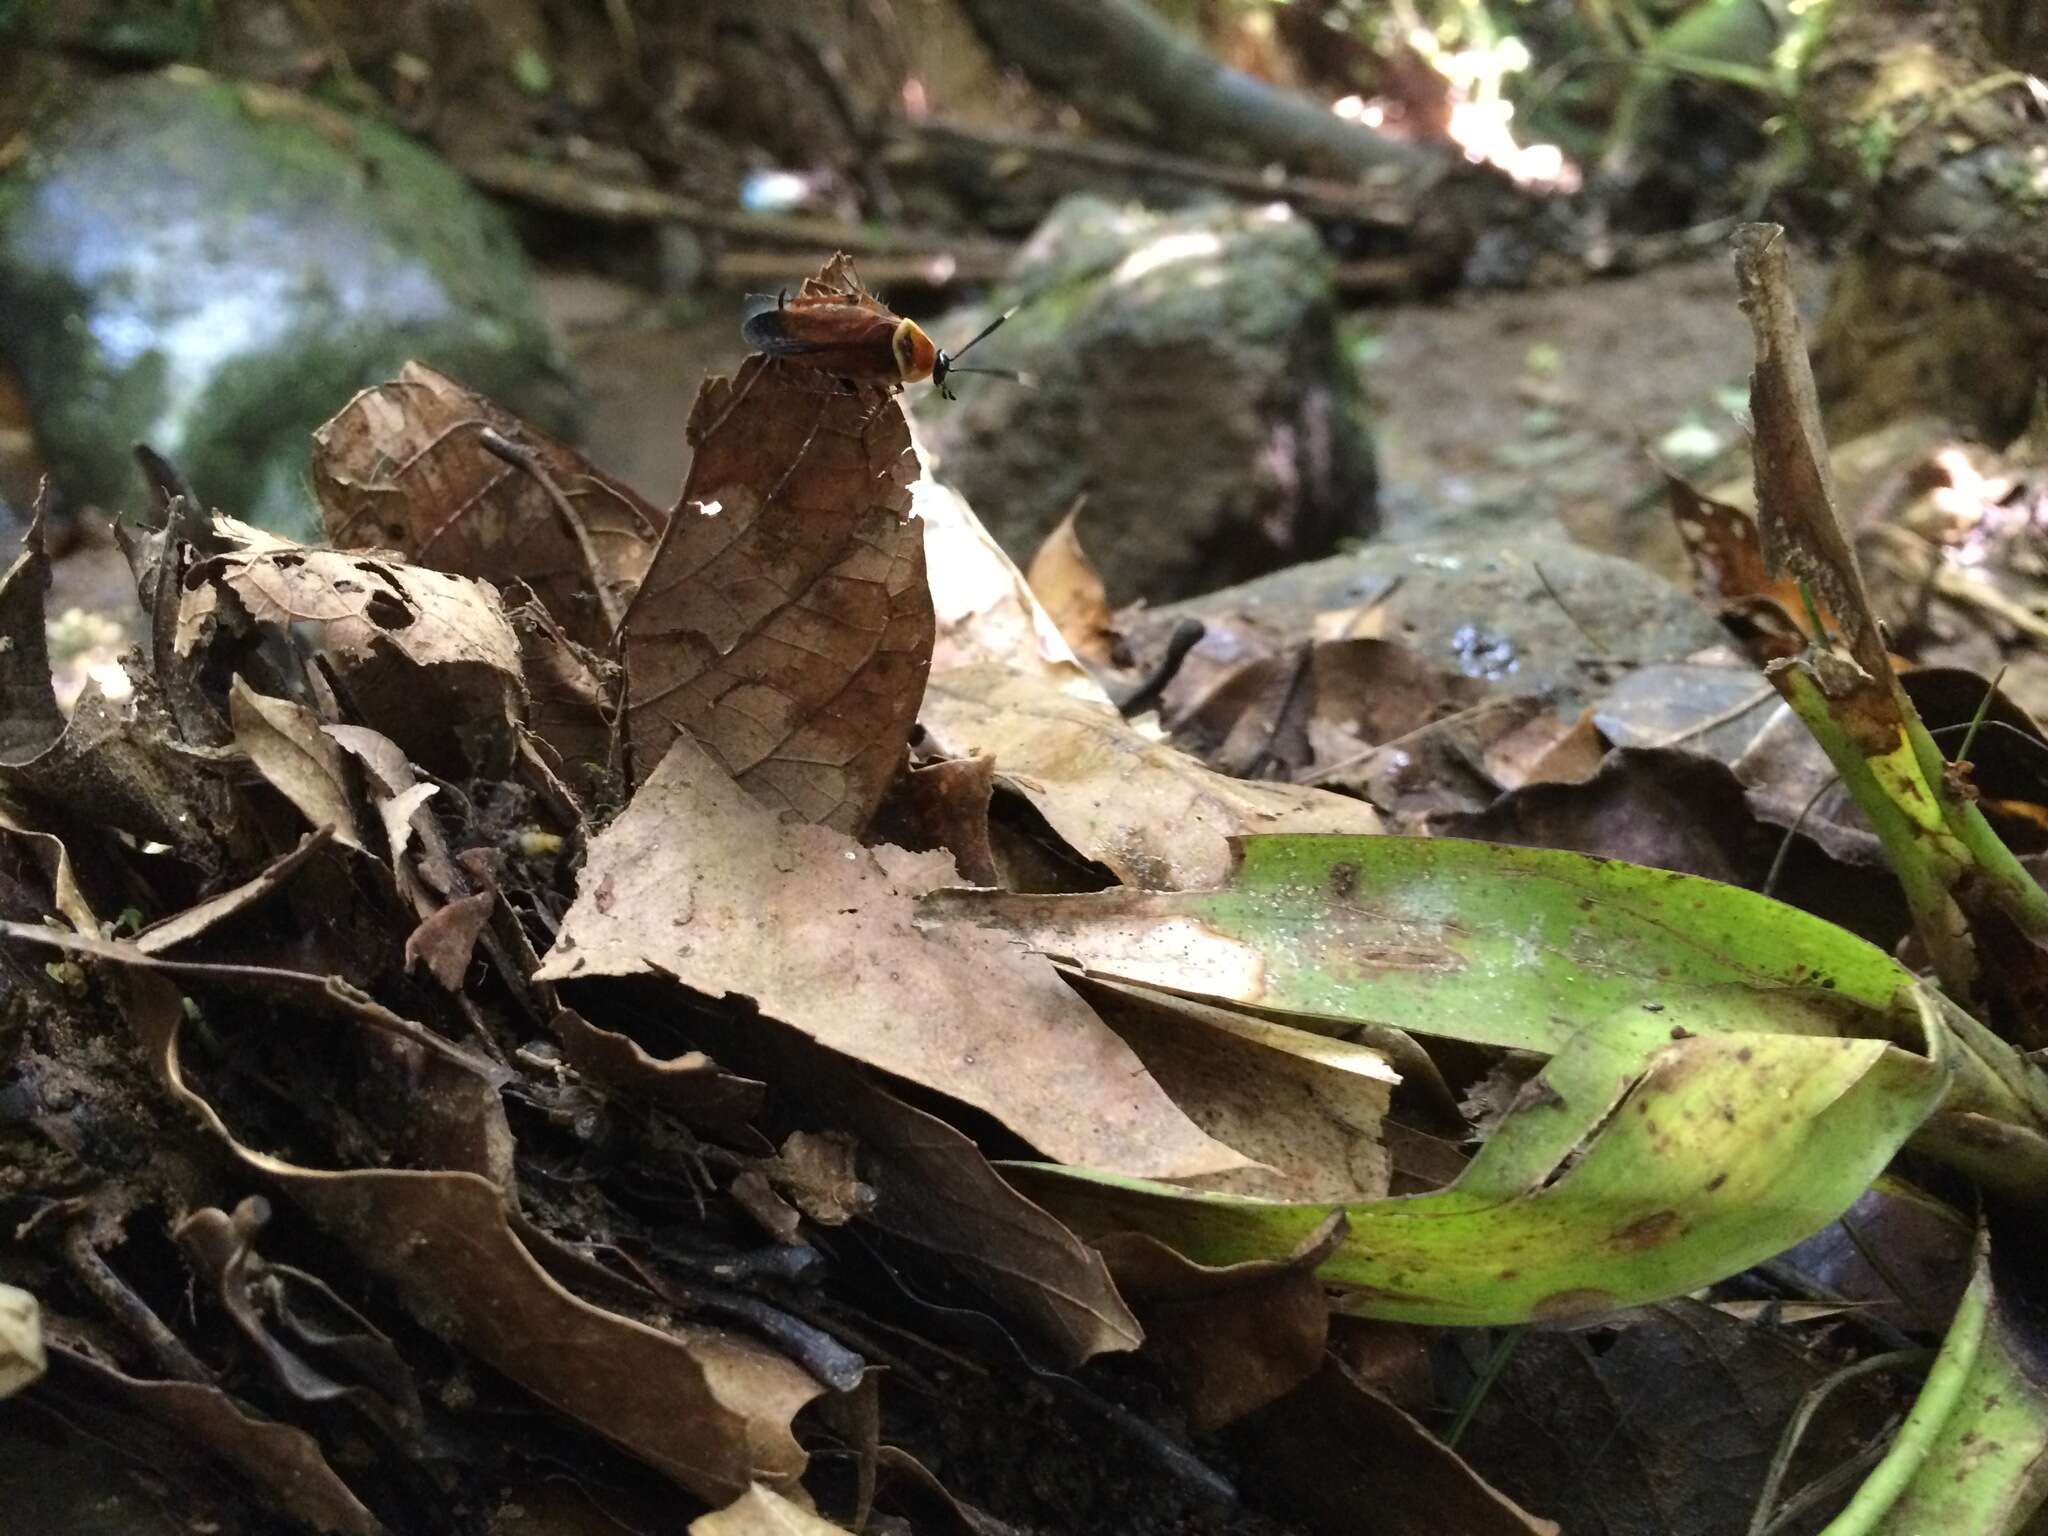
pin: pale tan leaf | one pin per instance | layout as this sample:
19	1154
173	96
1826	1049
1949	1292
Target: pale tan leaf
1154	815
763	1512
1308	1108
21	1340
984	608
1065	580
698	882
286	745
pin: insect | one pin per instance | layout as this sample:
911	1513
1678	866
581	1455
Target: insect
855	336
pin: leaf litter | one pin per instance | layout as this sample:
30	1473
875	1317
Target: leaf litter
535	937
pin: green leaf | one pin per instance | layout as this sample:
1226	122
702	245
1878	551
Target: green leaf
1726	1074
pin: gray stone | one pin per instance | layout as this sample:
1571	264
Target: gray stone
215	269
1188	381
1528	612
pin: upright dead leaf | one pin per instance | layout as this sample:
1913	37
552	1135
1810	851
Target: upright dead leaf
405	466
785	624
1153	814
1064	579
699	883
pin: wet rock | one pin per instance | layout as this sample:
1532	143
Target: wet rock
1526	612
215	269
1188	382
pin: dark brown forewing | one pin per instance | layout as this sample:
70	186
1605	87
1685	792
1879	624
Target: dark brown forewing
785	622
828	335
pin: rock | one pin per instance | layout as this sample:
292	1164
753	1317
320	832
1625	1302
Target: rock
215	269
1527	612
1188	381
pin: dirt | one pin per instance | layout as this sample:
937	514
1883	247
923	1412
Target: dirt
1504	407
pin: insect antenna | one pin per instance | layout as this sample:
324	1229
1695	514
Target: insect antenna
947	366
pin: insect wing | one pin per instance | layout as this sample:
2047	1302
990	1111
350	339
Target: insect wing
831	335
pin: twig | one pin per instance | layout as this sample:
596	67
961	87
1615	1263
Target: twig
1725	717
1809	1405
130	1310
1268	756
1187	634
1456	717
1314	197
572	191
1566	609
519	456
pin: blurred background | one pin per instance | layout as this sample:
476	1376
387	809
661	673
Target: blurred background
1294	273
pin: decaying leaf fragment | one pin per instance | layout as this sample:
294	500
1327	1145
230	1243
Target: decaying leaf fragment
699	882
784	623
405	466
699	1404
428	658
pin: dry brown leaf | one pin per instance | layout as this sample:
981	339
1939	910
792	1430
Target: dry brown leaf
692	1087
784	623
445	940
429	658
763	1512
50	855
943	805
183	927
1236	1337
1155	816
701	883
934	1188
570	705
699	1404
300	761
284	1461
29	718
403	466
1065	580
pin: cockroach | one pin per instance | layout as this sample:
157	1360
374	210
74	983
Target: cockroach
855	336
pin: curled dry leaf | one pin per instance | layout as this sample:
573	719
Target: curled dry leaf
698	882
698	1404
784	623
1235	1336
404	467
285	1462
429	658
1065	580
1155	816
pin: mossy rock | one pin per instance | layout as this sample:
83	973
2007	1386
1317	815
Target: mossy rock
215	269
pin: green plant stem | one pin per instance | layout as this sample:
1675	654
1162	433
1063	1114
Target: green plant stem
1937	1400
